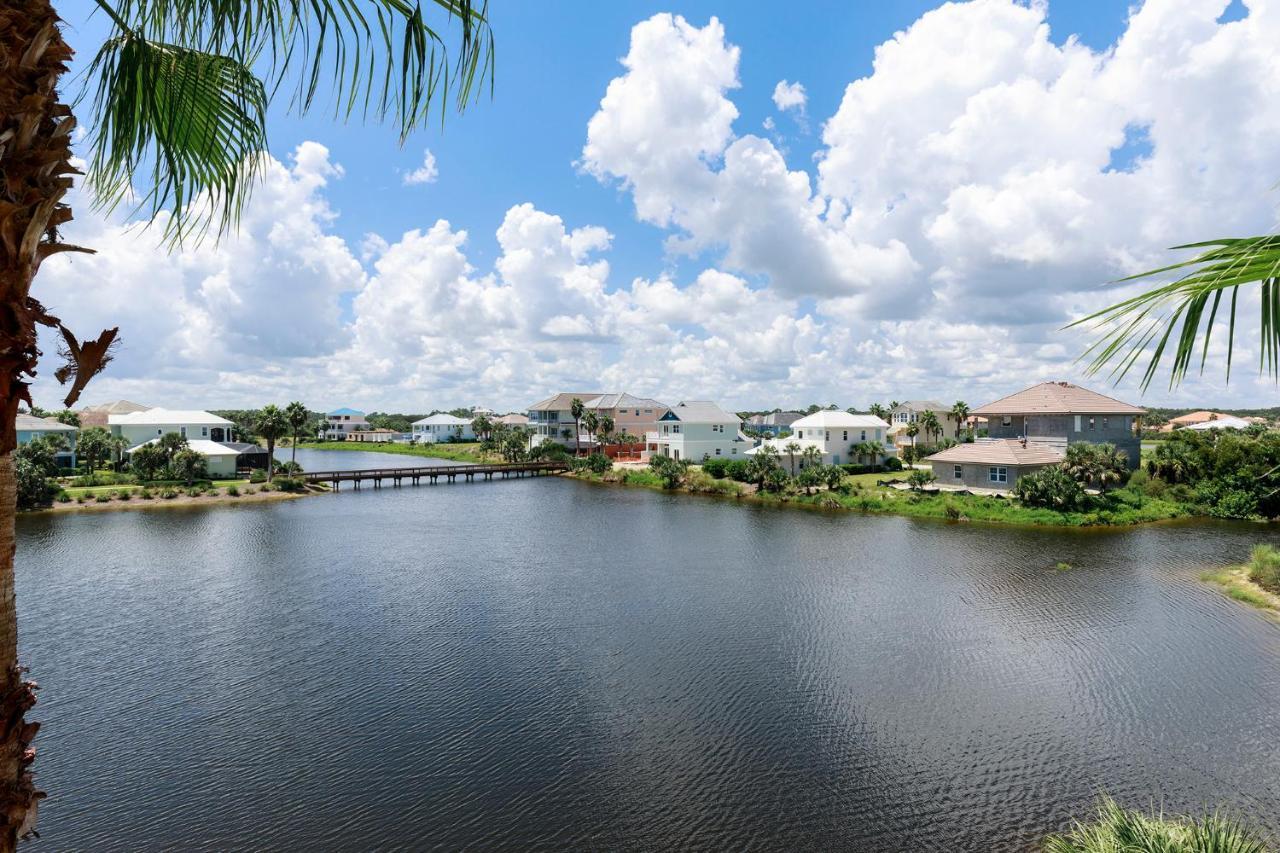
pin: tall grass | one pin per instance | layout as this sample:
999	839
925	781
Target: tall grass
1264	567
1117	830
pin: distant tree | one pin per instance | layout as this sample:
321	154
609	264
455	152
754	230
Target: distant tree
880	412
764	460
94	445
813	407
68	417
960	411
577	408
35	463
170	443
605	429
116	448
298	417
792	449
591	423
931	425
833	476
811	457
148	461
272	424
188	466
912	430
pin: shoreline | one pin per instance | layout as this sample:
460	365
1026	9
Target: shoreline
1234	583
181	500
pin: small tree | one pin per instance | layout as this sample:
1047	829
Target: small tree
591	423
833	476
68	417
1050	488
170	443
94	444
919	479
34	464
271	425
148	461
792	449
671	471
188	466
764	460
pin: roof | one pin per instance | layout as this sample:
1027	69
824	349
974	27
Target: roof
243	447
1057	398
513	420
1009	451
775	419
561	402
1197	417
923	406
835	418
163	417
370	431
346	411
31	422
200	445
119	407
622	401
1223	422
441	418
700	412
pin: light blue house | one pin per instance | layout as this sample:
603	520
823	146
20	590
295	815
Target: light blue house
30	427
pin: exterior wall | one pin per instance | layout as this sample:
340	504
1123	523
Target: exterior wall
221	466
137	434
978	476
336	427
439	433
1070	429
66	458
693	441
632	421
903	415
550	425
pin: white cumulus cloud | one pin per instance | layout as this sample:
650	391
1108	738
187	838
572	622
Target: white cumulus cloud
424	174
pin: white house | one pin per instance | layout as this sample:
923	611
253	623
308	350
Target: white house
698	429
442	427
837	435
1224	422
219	459
339	423
141	427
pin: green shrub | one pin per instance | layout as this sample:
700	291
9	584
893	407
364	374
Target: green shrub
102	497
265	487
716	466
892	463
1115	830
1050	488
232	491
1264	568
63	497
738	470
671	471
195	491
598	463
146	494
81	498
169	493
918	479
290	484
124	494
257	475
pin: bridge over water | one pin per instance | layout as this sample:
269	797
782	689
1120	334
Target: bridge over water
433	473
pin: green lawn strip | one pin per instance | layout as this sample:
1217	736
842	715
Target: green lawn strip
457	452
90	491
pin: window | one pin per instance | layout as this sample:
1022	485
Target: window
800	434
717	451
1105	420
1007	420
735	451
959	472
998	474
204	430
1077	423
864	435
183	430
846	436
1091	423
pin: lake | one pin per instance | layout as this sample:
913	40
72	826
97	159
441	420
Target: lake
548	664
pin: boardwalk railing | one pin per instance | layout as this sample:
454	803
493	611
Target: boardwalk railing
433	473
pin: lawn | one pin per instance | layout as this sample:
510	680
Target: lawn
458	452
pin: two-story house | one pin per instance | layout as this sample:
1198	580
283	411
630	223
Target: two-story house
904	414
1033	428
340	423
839	436
30	428
632	415
773	423
442	427
698	429
206	433
552	419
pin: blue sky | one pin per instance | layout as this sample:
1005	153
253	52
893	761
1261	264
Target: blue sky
917	283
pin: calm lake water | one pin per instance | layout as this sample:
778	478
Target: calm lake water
545	664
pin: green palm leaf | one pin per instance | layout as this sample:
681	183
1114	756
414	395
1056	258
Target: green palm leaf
1181	315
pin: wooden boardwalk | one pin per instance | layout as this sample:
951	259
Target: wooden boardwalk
433	473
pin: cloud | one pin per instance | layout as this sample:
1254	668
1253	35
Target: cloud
424	174
789	96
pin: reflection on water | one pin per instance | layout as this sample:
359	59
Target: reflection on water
547	664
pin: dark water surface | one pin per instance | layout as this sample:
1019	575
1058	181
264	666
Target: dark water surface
544	664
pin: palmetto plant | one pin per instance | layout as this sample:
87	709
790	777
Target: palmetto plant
182	92
1185	311
1116	829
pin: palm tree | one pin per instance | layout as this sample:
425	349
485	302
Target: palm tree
791	448
576	408
960	411
880	412
930	424
811	457
764	460
181	106
298	417
604	429
271	425
1189	306
912	430
591	421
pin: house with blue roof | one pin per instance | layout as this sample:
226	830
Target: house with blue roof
340	423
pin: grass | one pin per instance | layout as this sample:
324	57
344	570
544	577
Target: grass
860	493
1117	830
92	491
458	452
1253	582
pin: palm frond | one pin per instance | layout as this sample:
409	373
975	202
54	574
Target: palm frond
1183	313
184	85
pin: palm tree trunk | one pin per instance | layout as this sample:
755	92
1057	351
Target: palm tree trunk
293	454
35	151
271	459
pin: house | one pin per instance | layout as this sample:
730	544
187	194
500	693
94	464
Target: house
1193	418
515	421
442	427
695	430
1058	414
1220	422
991	463
340	423
773	423
140	427
632	415
552	419
248	455
221	460
836	435
375	436
96	416
904	414
30	428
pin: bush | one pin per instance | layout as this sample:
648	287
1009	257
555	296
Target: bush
289	469
169	493
81	498
290	484
739	470
1264	568
195	491
257	475
892	463
598	463
919	479
1050	488
671	471
265	487
102	497
716	466
124	494
232	491
63	497
146	494
1116	829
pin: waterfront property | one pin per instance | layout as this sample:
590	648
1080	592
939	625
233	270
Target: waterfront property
695	430
839	437
1222	422
442	427
773	423
340	423
1057	414
373	436
552	419
632	415
991	463
30	428
514	420
221	460
140	427
903	415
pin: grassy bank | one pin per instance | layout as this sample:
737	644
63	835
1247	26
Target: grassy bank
459	452
861	493
1256	583
153	497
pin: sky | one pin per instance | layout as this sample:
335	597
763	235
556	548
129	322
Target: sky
716	201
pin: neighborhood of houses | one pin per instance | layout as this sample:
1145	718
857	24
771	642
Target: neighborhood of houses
988	448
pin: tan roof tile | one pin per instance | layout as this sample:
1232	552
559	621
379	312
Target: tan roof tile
1000	452
1058	398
